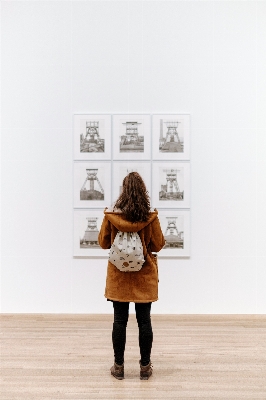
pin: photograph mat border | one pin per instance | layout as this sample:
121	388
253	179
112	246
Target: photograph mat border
83	253
106	156
94	204
168	204
156	155
147	155
180	253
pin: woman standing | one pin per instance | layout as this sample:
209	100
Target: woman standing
131	213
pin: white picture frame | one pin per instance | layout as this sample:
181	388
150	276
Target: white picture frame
171	137
92	184
175	225
171	184
122	168
92	136
86	227
131	137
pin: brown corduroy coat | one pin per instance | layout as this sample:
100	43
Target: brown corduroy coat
140	286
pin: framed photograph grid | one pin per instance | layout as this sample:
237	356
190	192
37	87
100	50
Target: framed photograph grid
106	148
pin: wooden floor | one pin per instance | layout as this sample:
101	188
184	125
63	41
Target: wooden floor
68	356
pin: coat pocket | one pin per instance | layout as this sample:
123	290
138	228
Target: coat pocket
155	260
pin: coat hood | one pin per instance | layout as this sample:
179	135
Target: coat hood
119	221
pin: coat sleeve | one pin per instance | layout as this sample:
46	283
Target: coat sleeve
104	237
157	238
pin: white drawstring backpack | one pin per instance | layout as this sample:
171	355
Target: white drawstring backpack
126	252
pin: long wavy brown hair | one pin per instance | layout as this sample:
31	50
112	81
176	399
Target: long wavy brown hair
134	200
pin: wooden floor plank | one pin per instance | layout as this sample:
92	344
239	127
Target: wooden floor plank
68	356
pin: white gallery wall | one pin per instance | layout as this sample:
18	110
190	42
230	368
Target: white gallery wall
205	58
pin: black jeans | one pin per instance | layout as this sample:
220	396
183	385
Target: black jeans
119	330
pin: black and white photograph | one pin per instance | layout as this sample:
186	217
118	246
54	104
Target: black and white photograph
131	136
175	226
87	224
92	136
171	184
121	169
170	136
92	184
